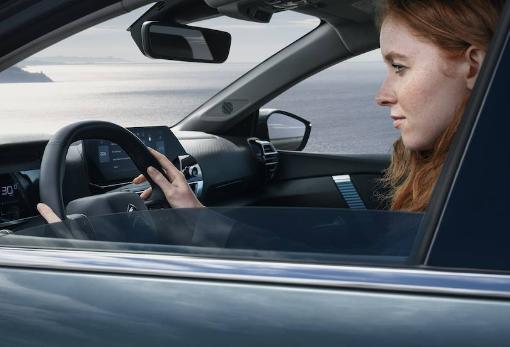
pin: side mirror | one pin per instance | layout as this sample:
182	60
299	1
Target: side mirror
283	129
173	41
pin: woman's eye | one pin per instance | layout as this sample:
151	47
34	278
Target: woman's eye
398	68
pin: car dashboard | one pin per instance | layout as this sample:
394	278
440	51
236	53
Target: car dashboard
216	169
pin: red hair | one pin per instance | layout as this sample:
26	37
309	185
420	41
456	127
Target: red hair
453	26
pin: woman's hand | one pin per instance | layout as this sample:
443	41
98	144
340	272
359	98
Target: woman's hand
172	183
47	213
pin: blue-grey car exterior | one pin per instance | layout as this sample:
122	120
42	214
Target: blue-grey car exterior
57	298
455	295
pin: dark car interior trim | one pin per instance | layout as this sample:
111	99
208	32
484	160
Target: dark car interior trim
296	165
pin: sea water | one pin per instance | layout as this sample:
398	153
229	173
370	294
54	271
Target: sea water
339	101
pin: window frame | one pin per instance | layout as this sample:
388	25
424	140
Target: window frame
444	219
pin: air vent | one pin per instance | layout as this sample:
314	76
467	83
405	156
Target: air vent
192	172
268	148
267	155
288	4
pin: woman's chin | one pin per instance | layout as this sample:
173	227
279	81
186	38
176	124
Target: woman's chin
413	144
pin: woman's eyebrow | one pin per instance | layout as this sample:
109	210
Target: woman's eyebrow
391	56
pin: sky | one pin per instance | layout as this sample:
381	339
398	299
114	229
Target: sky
251	42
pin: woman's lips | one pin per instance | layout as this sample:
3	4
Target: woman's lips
397	121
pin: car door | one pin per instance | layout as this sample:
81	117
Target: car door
59	298
453	288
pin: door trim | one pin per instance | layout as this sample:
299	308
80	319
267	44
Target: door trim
424	281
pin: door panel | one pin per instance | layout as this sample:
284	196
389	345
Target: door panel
46	308
308	180
295	165
303	192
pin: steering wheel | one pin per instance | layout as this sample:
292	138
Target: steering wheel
53	168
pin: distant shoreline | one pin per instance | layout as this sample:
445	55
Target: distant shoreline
15	74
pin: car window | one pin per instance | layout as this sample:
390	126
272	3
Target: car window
340	104
269	233
101	74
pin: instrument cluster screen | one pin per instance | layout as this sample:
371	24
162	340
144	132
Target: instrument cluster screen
9	197
19	192
108	163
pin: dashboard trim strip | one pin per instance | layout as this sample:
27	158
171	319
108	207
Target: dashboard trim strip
422	281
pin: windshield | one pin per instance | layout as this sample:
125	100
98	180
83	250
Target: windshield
100	74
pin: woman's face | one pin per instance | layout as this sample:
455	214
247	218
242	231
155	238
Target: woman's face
422	88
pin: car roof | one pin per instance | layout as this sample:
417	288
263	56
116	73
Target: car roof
25	20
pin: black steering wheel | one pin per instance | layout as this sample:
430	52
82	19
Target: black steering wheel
53	168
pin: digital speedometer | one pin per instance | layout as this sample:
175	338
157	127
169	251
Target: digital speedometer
108	163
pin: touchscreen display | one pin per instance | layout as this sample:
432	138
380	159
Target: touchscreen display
109	163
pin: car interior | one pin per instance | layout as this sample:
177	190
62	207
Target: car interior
228	149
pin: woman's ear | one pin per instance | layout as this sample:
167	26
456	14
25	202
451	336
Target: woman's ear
474	57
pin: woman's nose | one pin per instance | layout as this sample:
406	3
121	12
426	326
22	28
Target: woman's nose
385	96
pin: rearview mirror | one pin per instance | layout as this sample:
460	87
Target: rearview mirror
284	130
173	41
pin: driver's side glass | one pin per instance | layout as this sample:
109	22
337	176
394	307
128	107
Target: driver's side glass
100	74
311	235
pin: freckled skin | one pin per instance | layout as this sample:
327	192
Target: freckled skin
427	91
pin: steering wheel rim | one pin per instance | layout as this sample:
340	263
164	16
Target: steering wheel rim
53	161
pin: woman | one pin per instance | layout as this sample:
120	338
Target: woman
434	50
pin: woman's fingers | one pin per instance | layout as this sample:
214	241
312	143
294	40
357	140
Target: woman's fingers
139	179
172	183
146	193
160	180
163	180
47	213
172	172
